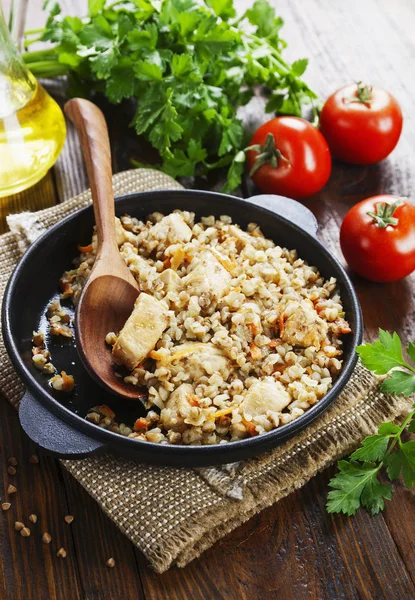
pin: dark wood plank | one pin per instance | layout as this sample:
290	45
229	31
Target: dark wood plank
294	549
30	569
96	539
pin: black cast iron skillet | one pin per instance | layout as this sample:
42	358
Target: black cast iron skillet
55	421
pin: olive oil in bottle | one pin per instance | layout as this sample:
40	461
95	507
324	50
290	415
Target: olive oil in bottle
32	126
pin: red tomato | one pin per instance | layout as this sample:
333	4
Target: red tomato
289	156
377	238
362	125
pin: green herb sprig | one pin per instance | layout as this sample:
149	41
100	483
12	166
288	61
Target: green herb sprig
357	483
188	65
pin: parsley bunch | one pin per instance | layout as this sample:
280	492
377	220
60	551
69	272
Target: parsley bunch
188	64
357	482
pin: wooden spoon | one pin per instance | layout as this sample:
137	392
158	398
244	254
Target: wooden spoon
108	297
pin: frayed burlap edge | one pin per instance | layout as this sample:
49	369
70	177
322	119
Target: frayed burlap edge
173	515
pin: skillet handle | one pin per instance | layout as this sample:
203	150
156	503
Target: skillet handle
52	434
292	210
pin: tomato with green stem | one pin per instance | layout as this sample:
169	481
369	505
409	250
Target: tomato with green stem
377	238
361	123
290	157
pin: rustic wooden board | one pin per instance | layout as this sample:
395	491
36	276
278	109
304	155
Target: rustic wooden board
293	550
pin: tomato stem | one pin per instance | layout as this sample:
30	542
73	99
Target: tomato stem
268	153
363	94
384	213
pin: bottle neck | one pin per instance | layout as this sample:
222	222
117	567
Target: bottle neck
16	83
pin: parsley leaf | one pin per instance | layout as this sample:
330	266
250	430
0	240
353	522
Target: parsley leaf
383	355
399	382
373	448
167	129
403	459
299	66
187	64
196	151
357	484
147	71
121	85
223	8
373	495
95	6
102	63
231	137
235	173
348	486
263	16
411	351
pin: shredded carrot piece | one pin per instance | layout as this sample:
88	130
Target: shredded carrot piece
85	249
193	401
228	264
280	368
156	355
344	326
255	352
177	259
257	232
221	413
106	410
140	424
196	347
250	427
68	381
281	321
253	328
167	262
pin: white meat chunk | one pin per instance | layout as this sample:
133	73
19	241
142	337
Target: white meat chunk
177	407
141	332
198	359
265	395
171	280
170	230
303	327
240	235
121	234
179	399
246	322
139	266
208	278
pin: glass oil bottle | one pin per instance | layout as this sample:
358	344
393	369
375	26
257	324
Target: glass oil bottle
32	126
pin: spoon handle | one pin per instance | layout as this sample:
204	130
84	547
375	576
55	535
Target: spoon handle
93	133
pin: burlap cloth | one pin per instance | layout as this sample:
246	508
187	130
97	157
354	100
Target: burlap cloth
172	515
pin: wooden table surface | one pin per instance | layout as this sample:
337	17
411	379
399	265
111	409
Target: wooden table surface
293	550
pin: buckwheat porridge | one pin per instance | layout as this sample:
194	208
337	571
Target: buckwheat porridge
231	335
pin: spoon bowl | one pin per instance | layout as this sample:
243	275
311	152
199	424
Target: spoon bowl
108	297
